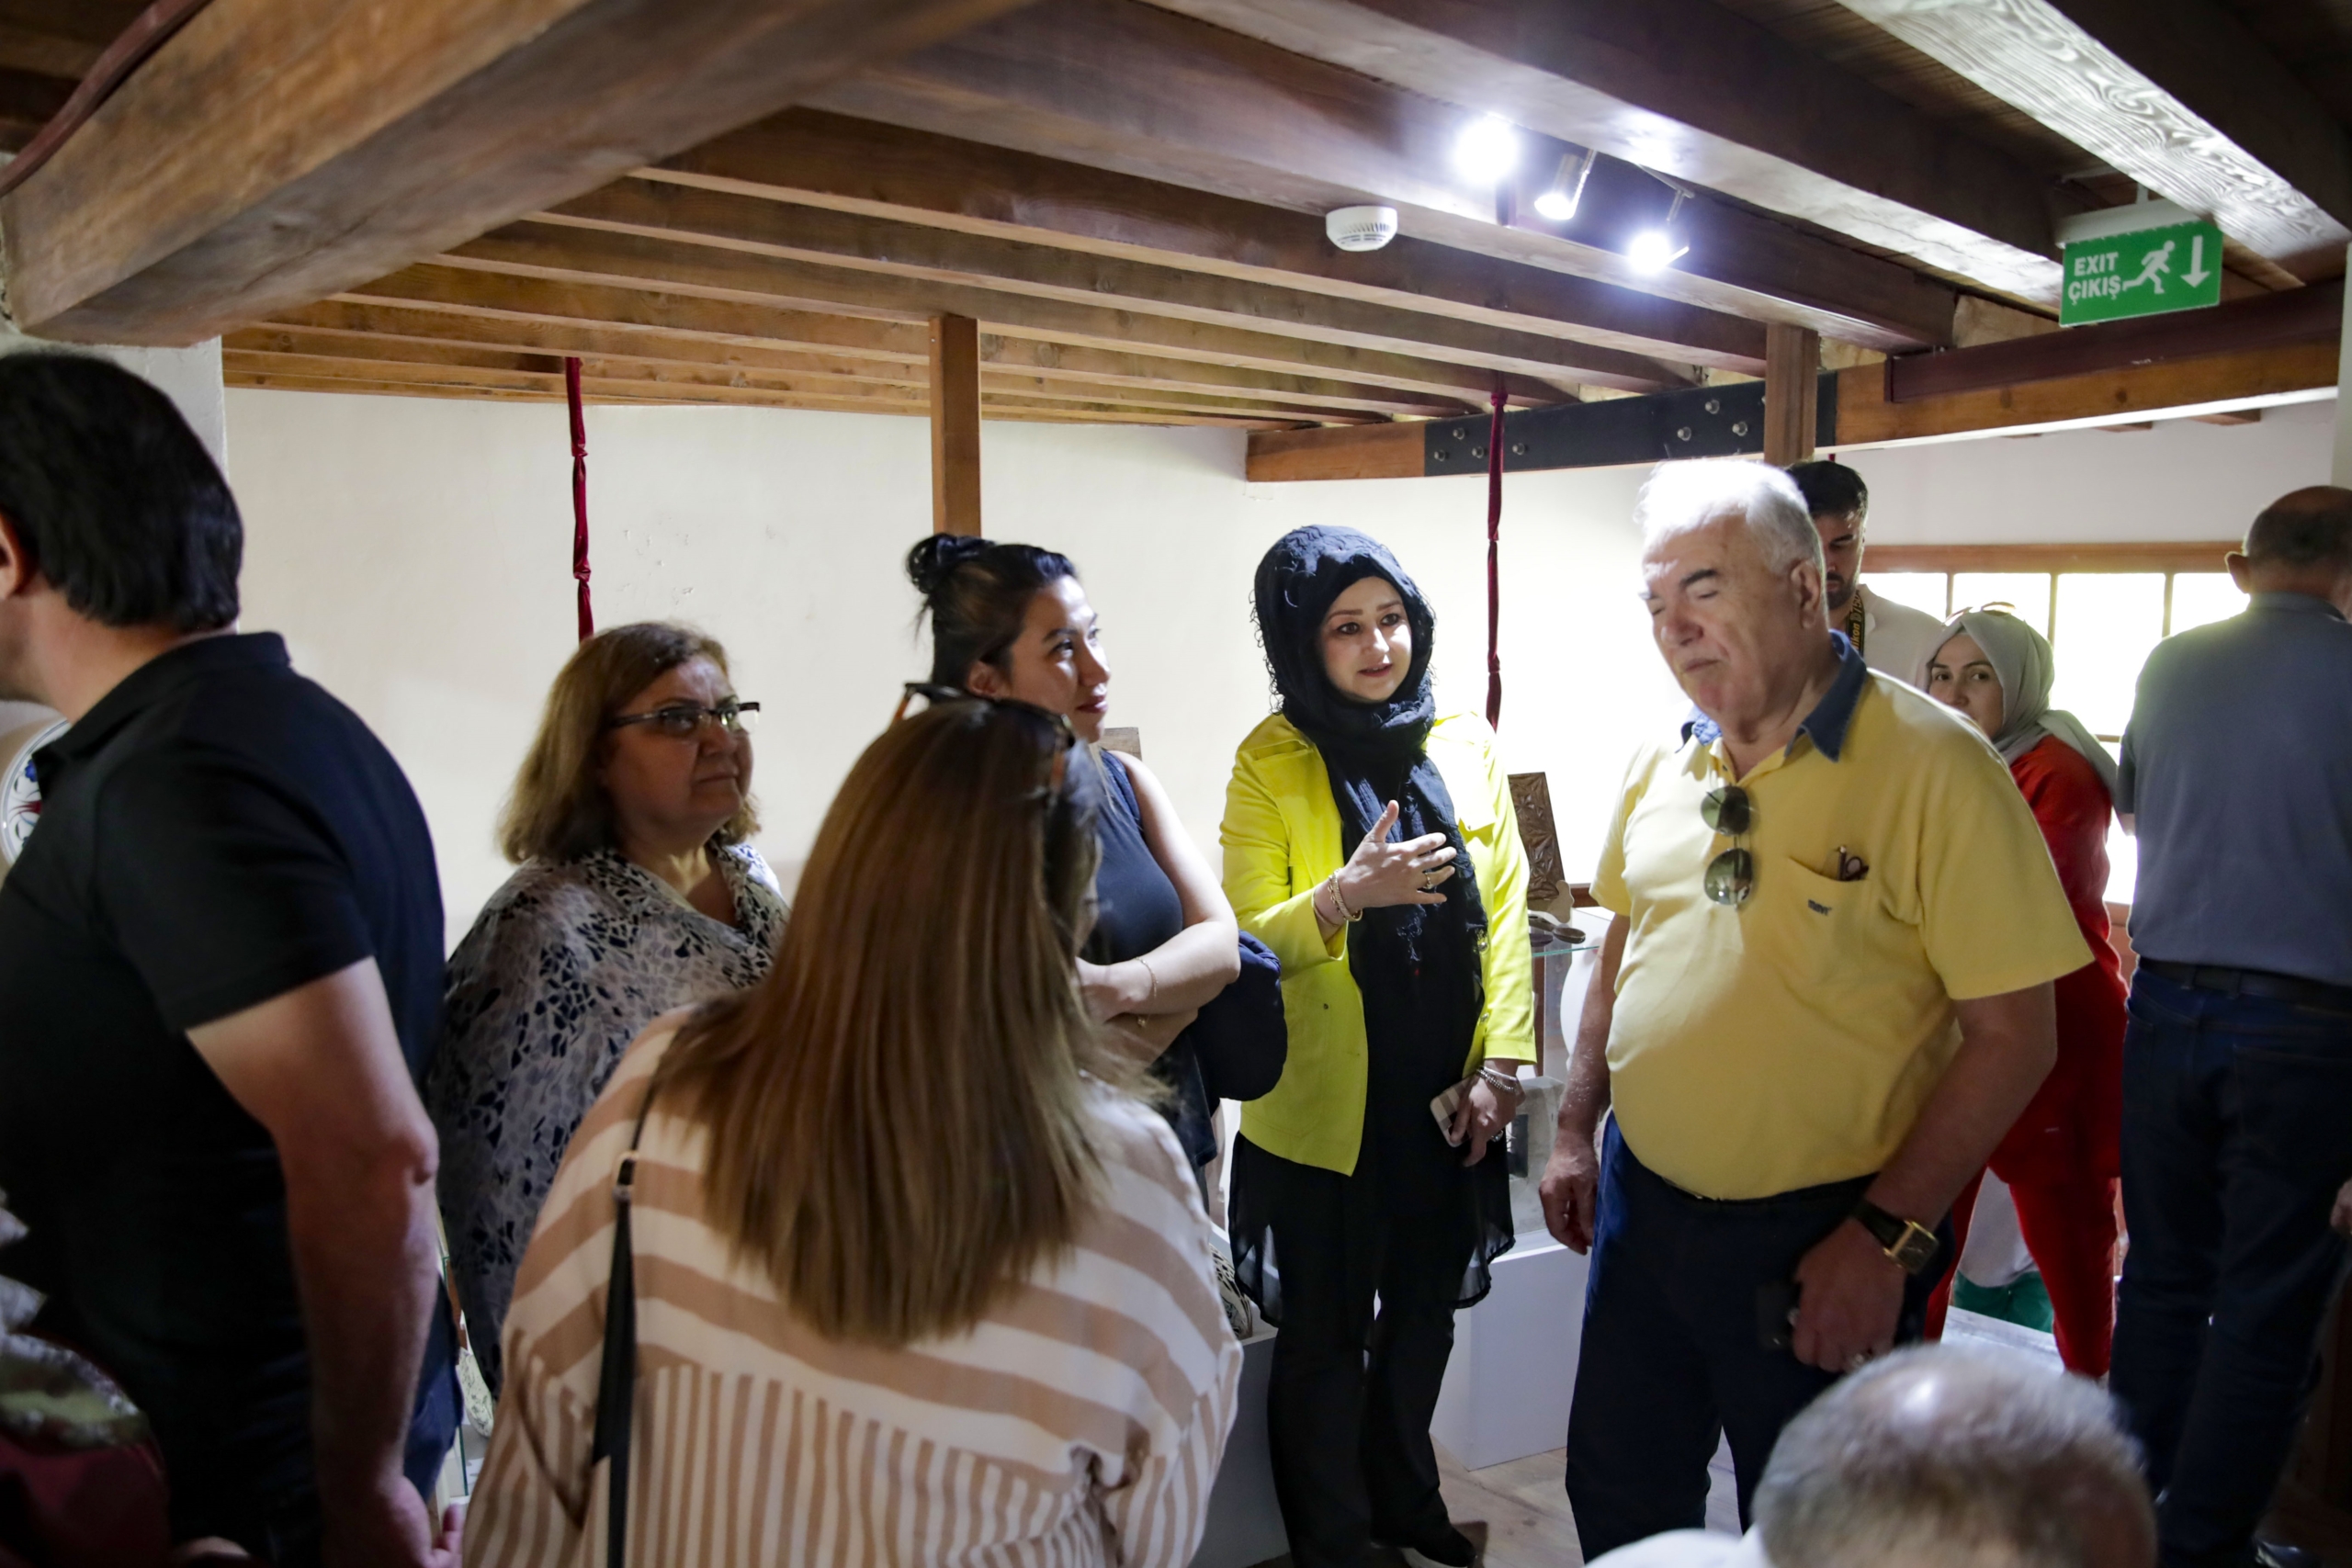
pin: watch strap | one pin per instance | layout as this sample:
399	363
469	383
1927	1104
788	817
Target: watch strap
1910	1244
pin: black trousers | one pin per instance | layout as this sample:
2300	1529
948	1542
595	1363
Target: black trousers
1353	1389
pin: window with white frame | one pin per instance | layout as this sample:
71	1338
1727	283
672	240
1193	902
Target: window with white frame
2103	608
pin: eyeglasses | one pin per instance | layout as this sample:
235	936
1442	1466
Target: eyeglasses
934	695
1730	876
681	720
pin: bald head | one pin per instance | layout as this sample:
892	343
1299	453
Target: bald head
1945	1458
2301	544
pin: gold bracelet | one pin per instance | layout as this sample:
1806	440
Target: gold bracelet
1340	900
1151	993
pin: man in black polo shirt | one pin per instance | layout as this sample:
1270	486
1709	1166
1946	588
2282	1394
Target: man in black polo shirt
219	974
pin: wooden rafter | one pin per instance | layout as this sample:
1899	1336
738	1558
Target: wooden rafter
1698	91
478	342
2173	93
816	159
272	154
579	255
1120	85
531	312
758	227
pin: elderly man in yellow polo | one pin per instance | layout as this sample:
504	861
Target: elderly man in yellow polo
1825	996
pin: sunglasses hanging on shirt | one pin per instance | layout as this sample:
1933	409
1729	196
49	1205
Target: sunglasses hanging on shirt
1730	876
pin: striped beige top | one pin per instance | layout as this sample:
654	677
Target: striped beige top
1080	1422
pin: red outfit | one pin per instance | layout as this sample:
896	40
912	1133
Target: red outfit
2059	1159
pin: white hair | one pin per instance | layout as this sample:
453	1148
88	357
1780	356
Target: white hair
1939	1457
1692	493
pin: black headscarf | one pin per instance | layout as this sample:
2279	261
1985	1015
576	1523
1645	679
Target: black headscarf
1375	751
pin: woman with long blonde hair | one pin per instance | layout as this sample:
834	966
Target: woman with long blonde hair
912	1284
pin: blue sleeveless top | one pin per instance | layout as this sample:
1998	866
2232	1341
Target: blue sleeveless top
1136	910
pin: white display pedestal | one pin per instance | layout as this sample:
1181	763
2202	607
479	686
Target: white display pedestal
1245	1523
1514	1367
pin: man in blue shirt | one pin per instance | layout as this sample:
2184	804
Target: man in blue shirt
2237	1087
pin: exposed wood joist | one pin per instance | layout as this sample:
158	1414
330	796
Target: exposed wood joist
1866	418
2176	94
2265	321
1855	406
543	313
1119	85
955	425
270	154
777	371
281	374
581	255
822	235
816	159
1697	91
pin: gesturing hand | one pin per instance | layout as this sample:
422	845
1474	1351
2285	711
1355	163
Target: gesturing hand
1381	873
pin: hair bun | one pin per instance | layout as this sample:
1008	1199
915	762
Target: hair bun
935	558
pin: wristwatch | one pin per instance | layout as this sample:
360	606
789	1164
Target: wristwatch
1910	1245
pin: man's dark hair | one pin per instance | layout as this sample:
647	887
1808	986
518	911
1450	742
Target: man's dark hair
1831	488
2311	526
113	498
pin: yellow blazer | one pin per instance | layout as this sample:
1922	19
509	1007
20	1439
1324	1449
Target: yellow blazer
1281	839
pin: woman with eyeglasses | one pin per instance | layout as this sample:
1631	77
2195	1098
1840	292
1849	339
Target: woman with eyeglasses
639	891
911	1283
1372	844
1012	622
2061	1158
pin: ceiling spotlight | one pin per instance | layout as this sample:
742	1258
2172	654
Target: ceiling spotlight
1559	202
1486	150
1654	250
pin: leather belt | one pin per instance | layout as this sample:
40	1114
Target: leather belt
2253	983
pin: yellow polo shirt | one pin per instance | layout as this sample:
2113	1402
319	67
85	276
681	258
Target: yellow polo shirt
1792	1041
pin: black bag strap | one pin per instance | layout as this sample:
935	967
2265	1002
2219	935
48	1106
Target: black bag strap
616	1385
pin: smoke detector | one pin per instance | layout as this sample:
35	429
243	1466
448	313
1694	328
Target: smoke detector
1361	228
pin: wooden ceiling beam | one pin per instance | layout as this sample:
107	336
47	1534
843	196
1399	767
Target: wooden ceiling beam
270	154
263	372
1697	91
1120	85
811	374
2177	93
579	255
816	159
547	314
757	227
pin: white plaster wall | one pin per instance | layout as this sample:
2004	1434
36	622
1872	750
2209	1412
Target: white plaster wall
417	555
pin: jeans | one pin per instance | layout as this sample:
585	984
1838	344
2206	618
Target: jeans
2237	1132
1673	1360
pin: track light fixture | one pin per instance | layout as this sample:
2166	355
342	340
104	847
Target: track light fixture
1559	200
1654	250
1488	150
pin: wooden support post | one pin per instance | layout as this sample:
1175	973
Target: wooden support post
1791	394
954	425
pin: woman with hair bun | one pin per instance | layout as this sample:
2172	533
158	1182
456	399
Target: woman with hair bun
1012	622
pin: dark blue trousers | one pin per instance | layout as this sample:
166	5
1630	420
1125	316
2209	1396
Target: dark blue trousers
2237	1132
1674	1359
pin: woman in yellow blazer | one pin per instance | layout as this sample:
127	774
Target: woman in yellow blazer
1373	846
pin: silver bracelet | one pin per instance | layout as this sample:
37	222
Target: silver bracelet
1500	1080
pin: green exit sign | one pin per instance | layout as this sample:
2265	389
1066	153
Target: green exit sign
2143	273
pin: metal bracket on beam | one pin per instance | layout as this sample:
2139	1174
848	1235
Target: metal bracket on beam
1702	422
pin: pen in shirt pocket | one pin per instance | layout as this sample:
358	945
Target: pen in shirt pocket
1850	867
